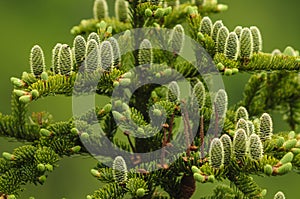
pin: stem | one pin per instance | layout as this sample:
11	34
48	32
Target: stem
130	143
202	135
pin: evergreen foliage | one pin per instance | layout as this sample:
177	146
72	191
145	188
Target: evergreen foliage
155	116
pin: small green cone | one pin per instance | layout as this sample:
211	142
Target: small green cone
11	197
268	170
20	93
84	136
148	12
195	169
74	131
107	108
35	94
157	112
46	133
291	135
76	149
41	167
279	142
235	71
8	156
285	168
140	192
95	173
44	76
286	158
211	178
288	145
228	72
198	177
17	82
125	82
116	84
295	151
220	66
49	167
25	99
42	179
118	116
159	13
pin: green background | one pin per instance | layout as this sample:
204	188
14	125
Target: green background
26	23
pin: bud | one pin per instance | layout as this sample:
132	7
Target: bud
46	133
42	179
284	169
25	99
20	93
198	177
41	167
74	131
289	144
34	93
17	82
140	192
228	72
222	7
211	178
44	76
195	169
95	173
148	12
125	82
286	158
220	66
159	13
49	167
76	149
8	156
268	170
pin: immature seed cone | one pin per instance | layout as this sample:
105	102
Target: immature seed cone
120	169
176	41
232	48
238	31
173	94
121	10
221	39
215	29
100	9
200	94
255	147
79	45
241	112
37	61
227	146
145	52
243	124
240	144
206	26
94	36
246	42
216	153
257	39
106	55
92	56
266	127
55	57
65	60
116	51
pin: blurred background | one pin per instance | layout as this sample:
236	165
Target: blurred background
26	23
